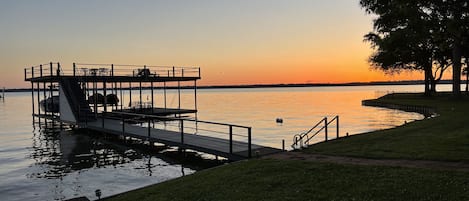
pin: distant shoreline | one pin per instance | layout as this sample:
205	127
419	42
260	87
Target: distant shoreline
412	82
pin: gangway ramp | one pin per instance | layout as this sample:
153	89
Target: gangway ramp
228	148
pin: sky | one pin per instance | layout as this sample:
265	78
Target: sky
234	42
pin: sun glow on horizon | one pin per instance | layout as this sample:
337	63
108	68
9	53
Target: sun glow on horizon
234	42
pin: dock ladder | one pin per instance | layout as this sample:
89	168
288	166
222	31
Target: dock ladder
302	140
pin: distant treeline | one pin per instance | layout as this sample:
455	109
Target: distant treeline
408	82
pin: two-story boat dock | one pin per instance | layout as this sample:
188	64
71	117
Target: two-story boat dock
91	96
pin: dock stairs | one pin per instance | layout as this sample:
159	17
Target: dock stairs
77	100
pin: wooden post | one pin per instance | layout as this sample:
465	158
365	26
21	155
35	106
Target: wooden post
45	97
114	85
122	100
44	94
105	96
182	131
249	143
231	139
32	97
195	105
130	94
95	97
283	145
74	69
325	127
25	73
38	101
51	87
152	97
140	91
58	69
179	94
337	126
164	90
149	130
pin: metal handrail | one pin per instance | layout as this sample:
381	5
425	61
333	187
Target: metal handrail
181	120
175	119
43	70
304	138
317	132
109	70
299	137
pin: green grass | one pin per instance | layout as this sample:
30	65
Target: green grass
301	180
442	138
445	137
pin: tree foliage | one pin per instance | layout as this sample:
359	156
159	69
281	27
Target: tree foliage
428	36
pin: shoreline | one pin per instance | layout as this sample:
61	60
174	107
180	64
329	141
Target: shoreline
247	86
427	112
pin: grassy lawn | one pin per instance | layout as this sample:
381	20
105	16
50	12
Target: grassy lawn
445	137
301	180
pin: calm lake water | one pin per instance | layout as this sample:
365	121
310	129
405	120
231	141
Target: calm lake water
52	164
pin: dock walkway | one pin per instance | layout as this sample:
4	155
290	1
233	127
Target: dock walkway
206	144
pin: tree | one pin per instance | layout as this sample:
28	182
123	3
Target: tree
454	18
420	35
405	38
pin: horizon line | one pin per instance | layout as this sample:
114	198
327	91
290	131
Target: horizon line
401	82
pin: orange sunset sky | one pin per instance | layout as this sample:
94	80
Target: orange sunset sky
234	42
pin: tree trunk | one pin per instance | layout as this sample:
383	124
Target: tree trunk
428	74
433	86
457	51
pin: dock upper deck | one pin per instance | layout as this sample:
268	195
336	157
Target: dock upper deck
53	72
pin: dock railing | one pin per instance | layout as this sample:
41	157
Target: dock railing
231	132
44	70
302	140
134	70
109	70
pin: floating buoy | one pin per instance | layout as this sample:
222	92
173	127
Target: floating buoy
279	120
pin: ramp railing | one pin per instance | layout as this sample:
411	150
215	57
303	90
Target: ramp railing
304	139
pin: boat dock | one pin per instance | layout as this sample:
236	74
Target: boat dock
91	96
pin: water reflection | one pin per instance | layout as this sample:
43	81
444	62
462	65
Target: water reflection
70	163
60	152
